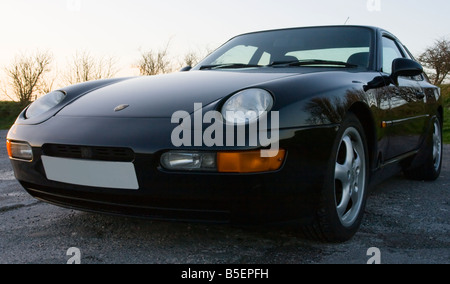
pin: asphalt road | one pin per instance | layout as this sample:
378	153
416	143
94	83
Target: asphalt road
407	221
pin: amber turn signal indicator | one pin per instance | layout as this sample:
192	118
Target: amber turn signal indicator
248	162
8	148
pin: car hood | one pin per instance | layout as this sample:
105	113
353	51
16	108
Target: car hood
161	96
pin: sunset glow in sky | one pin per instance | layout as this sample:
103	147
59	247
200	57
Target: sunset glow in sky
123	28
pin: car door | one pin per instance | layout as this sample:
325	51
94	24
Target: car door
406	118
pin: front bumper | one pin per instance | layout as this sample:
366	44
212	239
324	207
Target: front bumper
290	194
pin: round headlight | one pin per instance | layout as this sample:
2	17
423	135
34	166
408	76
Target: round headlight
247	106
45	103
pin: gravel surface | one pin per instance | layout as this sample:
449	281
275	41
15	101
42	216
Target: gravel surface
407	221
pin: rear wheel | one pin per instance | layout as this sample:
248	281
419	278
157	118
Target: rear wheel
430	170
343	198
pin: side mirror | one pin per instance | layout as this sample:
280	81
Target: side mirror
377	82
400	67
405	67
185	69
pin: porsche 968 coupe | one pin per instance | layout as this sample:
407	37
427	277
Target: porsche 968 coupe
293	125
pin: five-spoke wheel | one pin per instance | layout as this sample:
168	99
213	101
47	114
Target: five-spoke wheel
343	196
350	176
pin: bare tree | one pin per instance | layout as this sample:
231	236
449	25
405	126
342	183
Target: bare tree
191	59
437	58
4	92
155	62
47	84
84	67
26	75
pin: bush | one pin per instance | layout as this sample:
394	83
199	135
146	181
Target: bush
8	113
445	91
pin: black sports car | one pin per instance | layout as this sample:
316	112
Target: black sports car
274	126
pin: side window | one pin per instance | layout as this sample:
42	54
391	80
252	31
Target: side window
390	53
410	56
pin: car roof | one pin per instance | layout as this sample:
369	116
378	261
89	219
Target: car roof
373	28
328	26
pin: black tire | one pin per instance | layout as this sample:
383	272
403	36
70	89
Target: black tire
334	223
430	169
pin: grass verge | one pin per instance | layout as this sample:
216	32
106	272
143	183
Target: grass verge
445	91
446	130
8	113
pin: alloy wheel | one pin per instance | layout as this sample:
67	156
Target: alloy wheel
350	177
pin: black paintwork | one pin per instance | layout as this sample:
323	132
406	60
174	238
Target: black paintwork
312	102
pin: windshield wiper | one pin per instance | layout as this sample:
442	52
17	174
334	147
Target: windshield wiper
228	66
312	62
278	63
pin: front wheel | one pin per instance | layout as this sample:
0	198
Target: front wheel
344	196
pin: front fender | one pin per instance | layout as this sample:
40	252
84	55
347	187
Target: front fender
72	94
320	99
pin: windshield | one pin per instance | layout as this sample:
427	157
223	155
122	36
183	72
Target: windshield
338	47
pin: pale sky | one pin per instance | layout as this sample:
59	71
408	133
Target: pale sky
122	28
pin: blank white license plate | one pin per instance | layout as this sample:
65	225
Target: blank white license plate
117	175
